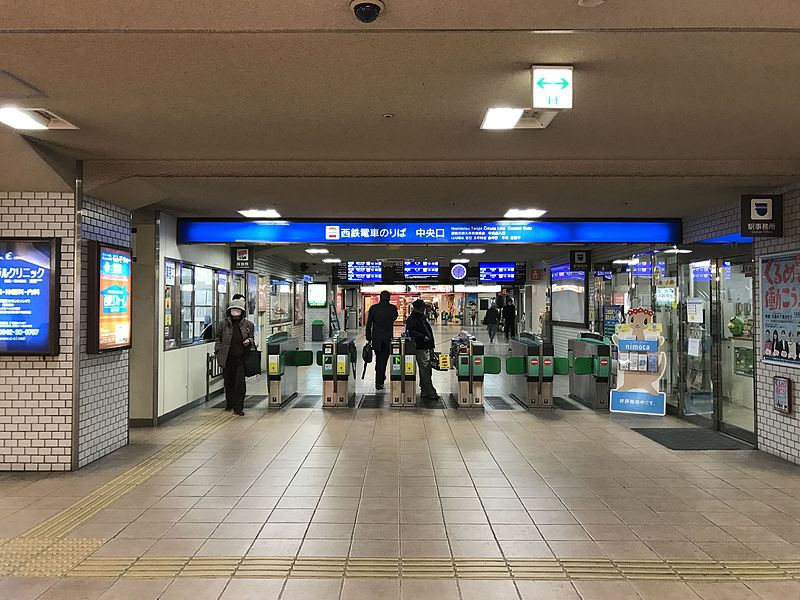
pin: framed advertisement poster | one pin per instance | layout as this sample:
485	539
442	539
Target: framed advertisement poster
29	292
109	326
252	292
782	394
780	314
263	291
299	302
280	305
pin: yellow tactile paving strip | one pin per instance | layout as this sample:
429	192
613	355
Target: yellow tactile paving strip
461	568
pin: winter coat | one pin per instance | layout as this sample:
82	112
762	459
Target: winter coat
380	323
419	330
222	342
492	317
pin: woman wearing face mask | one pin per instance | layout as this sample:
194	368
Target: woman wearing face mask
235	336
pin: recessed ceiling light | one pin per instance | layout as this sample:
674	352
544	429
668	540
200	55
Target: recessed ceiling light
473	251
20	119
459	260
331	260
501	118
524	213
676	250
269	213
317	250
591	3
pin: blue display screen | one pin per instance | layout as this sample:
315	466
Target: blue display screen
193	231
497	272
25	280
364	271
563	273
422	270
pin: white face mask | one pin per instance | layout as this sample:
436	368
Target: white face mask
235	312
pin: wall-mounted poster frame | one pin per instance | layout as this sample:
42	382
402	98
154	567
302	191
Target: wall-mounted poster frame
317	295
575	309
252	292
21	260
263	292
109	326
299	302
280	302
779	279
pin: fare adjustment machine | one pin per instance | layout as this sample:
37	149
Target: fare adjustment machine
468	364
283	358
338	360
403	373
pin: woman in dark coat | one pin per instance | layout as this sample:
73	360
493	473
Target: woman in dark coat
491	319
235	336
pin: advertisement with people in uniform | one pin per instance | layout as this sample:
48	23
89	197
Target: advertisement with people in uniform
780	317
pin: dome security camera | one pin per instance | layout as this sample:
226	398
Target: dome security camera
367	12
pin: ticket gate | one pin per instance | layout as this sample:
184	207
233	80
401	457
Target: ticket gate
589	357
283	358
468	365
338	360
403	373
532	362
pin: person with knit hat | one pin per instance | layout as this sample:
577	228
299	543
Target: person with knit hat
235	336
420	331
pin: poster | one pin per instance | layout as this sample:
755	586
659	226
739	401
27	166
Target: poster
612	316
28	276
263	291
252	293
299	302
317	294
782	394
694	310
114	299
780	315
280	305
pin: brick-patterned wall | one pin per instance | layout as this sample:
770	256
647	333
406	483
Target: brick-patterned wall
777	433
711	223
103	411
36	392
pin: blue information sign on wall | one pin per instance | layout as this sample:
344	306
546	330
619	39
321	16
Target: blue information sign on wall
28	325
638	403
199	231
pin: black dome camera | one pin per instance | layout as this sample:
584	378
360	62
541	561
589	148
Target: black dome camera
367	12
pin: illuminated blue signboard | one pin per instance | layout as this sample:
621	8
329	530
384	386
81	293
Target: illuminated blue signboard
497	272
28	314
421	270
364	271
200	231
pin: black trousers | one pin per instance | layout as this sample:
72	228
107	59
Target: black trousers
510	329
235	387
381	359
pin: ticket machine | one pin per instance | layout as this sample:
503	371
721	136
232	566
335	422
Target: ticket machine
403	373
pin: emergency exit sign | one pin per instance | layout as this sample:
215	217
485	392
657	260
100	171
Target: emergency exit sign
552	88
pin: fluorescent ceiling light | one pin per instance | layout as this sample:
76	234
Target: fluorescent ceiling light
591	3
626	261
501	118
21	119
676	250
269	213
316	250
459	260
524	213
332	260
473	251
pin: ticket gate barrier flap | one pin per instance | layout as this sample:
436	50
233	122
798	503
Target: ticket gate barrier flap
589	379
560	365
403	373
469	368
533	363
281	381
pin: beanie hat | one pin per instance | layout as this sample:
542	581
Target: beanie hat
418	303
238	303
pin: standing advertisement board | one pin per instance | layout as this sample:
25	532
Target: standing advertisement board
780	314
109	326
29	316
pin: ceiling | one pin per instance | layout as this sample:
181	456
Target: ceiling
204	108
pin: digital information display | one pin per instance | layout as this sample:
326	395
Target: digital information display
317	295
29	321
364	271
497	272
200	231
111	325
421	270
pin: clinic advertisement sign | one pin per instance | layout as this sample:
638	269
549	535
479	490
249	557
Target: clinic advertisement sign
640	365
762	215
110	325
29	321
780	314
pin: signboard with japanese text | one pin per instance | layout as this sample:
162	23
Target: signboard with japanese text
110	293
241	259
782	394
29	316
780	309
580	260
762	215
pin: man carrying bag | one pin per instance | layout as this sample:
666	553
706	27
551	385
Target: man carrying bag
380	324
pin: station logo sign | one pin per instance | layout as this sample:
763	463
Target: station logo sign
580	260
241	259
332	232
762	215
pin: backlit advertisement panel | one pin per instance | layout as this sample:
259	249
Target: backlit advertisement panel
110	327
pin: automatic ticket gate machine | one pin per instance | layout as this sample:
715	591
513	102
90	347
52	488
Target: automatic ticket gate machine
338	360
589	358
281	381
532	361
403	373
468	364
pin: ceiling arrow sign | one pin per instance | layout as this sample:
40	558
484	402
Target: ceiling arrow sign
552	87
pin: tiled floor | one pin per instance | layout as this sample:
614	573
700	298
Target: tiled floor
444	504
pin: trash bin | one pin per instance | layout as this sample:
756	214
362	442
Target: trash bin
317	331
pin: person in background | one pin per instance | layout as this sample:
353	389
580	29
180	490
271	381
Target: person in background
783	345
767	344
235	336
510	319
472	309
380	323
776	343
419	330
491	319
792	348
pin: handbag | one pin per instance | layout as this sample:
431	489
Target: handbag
366	355
252	362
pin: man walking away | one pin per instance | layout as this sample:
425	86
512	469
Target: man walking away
421	333
491	320
510	318
380	321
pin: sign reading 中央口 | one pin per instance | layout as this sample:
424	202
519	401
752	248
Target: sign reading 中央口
780	309
762	215
552	88
28	323
114	299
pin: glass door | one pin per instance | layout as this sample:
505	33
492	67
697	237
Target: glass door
667	305
697	343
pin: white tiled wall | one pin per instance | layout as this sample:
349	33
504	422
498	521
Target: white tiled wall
36	392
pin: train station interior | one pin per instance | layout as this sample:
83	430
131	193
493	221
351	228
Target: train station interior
403	300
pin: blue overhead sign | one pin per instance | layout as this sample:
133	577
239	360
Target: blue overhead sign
201	231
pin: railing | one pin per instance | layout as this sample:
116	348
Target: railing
213	373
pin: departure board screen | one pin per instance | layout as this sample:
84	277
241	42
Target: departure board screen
359	271
502	272
421	270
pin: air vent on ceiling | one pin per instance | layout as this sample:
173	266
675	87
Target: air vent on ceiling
52	120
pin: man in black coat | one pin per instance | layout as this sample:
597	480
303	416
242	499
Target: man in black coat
380	323
420	331
510	319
